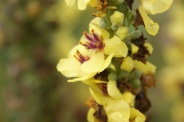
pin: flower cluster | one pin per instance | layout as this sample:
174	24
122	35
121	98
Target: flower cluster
111	58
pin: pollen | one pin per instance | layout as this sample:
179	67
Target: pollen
93	41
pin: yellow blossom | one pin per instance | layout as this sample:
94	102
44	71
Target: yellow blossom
100	41
93	54
81	3
83	64
114	104
153	7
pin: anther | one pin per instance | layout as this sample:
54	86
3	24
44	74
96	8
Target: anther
80	57
94	41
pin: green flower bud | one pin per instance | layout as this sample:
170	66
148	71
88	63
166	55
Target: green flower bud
135	75
103	23
123	74
136	34
114	27
136	83
112	76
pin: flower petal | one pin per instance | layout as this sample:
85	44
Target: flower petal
94	64
70	3
93	3
117	117
113	90
70	67
94	24
116	46
136	116
156	6
90	115
81	49
99	97
129	98
82	4
149	47
93	84
106	62
151	27
117	105
145	68
84	77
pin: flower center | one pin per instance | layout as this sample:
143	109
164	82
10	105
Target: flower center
94	41
80	57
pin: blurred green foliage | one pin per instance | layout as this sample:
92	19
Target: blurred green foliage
31	89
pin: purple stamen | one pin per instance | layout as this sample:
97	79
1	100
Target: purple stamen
80	57
94	41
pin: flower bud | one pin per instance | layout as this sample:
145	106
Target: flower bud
117	18
112	76
127	64
122	32
136	34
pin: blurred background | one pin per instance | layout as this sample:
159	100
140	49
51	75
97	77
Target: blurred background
35	34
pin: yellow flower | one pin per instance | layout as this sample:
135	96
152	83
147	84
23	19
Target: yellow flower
83	64
114	103
81	3
100	41
153	7
93	54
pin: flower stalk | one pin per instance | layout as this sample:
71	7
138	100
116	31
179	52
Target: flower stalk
112	59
